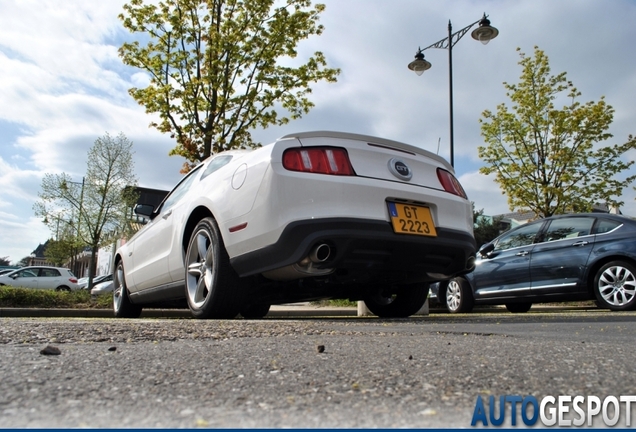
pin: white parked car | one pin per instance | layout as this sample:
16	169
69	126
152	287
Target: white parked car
104	287
41	277
314	215
83	282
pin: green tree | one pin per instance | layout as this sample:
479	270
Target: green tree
66	244
100	204
485	228
548	160
60	251
219	68
4	261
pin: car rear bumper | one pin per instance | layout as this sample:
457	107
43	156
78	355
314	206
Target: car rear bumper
364	251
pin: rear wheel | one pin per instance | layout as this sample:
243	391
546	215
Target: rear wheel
518	307
62	288
615	286
458	296
400	303
255	311
213	289
122	306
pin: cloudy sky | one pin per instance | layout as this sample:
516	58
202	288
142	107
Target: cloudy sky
62	85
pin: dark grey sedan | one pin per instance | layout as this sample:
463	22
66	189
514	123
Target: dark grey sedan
556	259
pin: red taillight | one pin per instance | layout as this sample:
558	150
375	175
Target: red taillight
450	183
318	160
73	280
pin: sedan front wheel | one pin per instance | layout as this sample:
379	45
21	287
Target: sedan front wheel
122	306
615	286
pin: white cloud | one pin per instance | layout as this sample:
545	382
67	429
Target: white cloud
484	192
140	79
16	183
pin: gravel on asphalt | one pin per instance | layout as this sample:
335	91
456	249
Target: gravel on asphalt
270	373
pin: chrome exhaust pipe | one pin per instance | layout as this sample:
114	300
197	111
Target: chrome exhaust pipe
304	268
320	253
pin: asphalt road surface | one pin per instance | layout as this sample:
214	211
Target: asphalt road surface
318	372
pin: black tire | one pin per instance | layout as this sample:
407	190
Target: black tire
518	307
122	306
458	296
62	288
255	311
615	286
397	303
213	289
599	304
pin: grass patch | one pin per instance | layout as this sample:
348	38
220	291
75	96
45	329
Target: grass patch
336	303
11	297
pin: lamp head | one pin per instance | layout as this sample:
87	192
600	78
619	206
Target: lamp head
485	32
419	65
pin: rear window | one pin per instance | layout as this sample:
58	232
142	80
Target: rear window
568	228
49	273
605	225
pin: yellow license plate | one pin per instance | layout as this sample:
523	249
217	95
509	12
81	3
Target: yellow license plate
411	219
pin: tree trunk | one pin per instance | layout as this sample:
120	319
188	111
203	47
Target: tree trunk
91	267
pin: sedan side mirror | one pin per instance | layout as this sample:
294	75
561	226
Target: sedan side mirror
144	210
486	249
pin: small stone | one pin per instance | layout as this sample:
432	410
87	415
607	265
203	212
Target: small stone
320	348
112	349
410	357
51	350
428	412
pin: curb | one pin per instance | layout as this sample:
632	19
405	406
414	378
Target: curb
535	308
275	311
292	311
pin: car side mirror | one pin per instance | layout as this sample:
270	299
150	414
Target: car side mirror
14	276
486	249
145	210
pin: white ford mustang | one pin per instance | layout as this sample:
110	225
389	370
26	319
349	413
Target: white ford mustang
314	215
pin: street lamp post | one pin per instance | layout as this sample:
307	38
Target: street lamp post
484	33
64	186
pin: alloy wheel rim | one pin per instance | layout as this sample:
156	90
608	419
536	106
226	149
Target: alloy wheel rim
453	295
617	286
200	269
117	292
